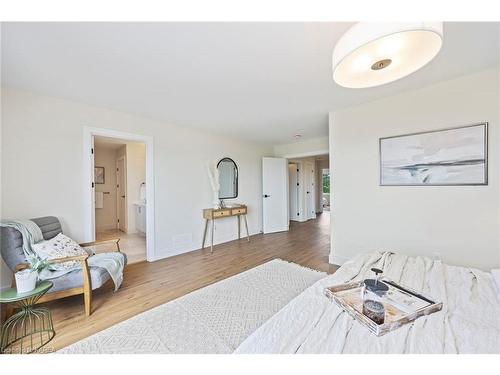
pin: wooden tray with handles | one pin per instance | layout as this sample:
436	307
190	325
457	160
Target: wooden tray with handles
402	305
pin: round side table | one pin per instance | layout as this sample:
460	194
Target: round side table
29	329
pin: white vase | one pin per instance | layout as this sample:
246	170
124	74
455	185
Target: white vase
26	280
216	200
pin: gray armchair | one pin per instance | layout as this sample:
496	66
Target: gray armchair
81	281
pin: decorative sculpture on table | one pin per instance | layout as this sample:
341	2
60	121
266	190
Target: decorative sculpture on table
213	175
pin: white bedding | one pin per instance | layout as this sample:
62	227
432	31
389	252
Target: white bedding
468	323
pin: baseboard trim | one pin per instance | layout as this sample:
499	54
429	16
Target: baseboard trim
167	253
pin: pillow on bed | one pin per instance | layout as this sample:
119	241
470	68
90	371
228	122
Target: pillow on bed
60	246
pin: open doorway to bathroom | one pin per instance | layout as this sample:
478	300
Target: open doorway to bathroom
120	194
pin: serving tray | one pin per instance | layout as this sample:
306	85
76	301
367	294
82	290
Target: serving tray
402	305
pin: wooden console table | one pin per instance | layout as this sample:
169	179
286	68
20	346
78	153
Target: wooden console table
211	214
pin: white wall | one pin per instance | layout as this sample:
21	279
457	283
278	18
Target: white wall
461	223
5	275
308	147
105	217
42	155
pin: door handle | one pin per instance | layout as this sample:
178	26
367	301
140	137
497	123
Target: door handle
266	196
307	192
123	196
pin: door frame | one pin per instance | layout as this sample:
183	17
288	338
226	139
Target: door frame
309	185
124	172
305	154
88	178
294	213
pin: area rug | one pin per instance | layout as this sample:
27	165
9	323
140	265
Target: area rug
214	319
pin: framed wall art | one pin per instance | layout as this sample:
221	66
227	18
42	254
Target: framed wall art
456	156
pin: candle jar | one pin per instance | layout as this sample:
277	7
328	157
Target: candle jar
374	291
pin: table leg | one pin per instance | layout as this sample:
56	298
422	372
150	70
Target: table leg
29	329
246	226
239	227
204	234
9	311
212	239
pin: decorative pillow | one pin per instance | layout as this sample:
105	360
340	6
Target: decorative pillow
60	246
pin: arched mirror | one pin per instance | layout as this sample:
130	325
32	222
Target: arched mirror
228	178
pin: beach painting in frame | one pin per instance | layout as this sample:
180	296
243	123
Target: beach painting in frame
457	156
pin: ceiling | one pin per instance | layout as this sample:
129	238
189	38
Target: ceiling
263	82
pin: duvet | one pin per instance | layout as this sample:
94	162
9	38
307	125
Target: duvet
468	323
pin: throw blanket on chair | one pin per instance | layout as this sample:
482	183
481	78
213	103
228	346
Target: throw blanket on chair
30	232
112	262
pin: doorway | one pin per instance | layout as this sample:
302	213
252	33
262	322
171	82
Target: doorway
119	174
305	187
131	176
293	192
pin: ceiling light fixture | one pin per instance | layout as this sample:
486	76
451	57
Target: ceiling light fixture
373	54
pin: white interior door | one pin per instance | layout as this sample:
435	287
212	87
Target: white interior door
92	192
293	175
309	188
121	196
275	194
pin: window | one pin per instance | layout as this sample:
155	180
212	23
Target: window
326	181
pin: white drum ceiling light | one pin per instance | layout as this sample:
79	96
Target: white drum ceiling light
372	54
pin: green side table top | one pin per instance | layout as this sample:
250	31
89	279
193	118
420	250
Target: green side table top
11	295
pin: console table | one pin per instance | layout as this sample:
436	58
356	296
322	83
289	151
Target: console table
211	214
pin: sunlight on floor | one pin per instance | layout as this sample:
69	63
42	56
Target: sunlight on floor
134	244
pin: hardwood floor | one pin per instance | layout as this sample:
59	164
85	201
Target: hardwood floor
134	245
147	285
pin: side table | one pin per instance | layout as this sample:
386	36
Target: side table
212	214
29	329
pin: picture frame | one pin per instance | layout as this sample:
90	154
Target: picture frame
456	156
99	175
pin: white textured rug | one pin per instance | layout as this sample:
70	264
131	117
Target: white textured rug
214	319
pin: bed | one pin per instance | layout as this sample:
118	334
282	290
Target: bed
469	321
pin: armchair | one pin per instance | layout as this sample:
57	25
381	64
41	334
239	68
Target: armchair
80	281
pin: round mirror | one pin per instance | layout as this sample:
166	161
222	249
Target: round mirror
228	178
